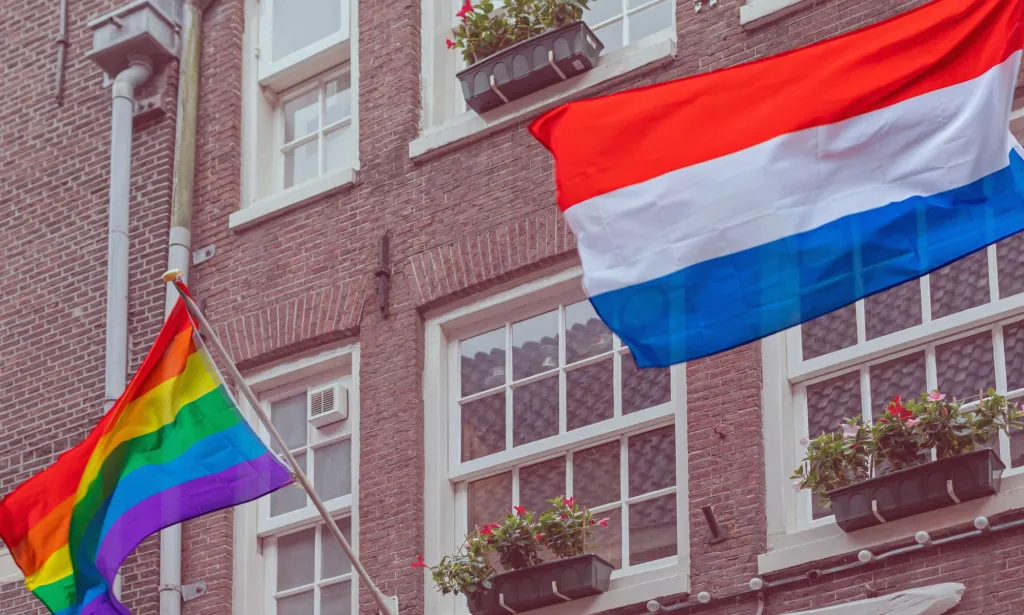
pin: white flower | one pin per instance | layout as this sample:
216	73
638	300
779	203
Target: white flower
804	441
849	431
796	486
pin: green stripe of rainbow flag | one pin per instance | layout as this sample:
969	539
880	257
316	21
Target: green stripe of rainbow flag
173	447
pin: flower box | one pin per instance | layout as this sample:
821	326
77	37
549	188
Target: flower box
916	490
543	585
530	66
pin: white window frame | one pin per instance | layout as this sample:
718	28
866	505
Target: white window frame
441	125
263	195
442	495
252	552
303	63
316	84
793	538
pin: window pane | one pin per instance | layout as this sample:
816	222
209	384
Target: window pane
893	310
535	411
652	461
338	100
602	10
643	388
831	401
585	333
650	20
610	36
301	164
338	148
483	362
965	367
541	482
295	559
609	539
535	345
298	23
332	469
904	377
299	604
1016	449
289	498
289	418
590	396
489	499
960	285
483	426
652	529
1010	259
830	332
336	599
301	116
333	561
1013	343
595	475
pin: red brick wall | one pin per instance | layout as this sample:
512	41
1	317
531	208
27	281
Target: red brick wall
53	242
460	224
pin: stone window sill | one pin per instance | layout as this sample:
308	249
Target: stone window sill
294	197
469	126
756	13
826	541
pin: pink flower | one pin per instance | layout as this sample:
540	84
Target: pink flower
486	531
603	522
804	441
565	516
520	511
449	42
913	422
569	502
850	431
419	563
936	396
539	537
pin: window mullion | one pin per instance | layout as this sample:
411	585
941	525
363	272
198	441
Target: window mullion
926	299
999	356
624	495
568	474
625	22
563	384
993	273
317	556
321	141
508	387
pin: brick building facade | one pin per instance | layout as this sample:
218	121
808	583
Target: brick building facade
484	380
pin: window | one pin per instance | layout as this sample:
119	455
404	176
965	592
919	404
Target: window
543	400
621	25
317	129
286	547
300	131
959	330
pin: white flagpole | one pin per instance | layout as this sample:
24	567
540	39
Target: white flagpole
386	605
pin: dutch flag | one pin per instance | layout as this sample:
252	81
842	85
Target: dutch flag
715	210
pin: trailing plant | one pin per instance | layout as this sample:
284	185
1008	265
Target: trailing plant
902	437
483	30
516	543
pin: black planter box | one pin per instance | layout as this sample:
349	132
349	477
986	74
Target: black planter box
529	66
533	588
916	490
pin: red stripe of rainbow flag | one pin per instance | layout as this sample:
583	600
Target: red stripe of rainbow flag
173	447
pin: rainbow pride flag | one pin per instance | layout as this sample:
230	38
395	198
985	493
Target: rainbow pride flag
173	447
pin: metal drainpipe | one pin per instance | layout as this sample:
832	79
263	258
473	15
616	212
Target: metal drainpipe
180	250
139	70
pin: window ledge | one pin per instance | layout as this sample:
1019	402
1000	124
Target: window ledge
756	13
828	541
469	125
294	197
928	600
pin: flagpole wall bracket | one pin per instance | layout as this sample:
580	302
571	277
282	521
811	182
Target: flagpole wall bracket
188	592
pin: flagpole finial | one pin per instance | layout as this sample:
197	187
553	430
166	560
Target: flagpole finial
171	275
